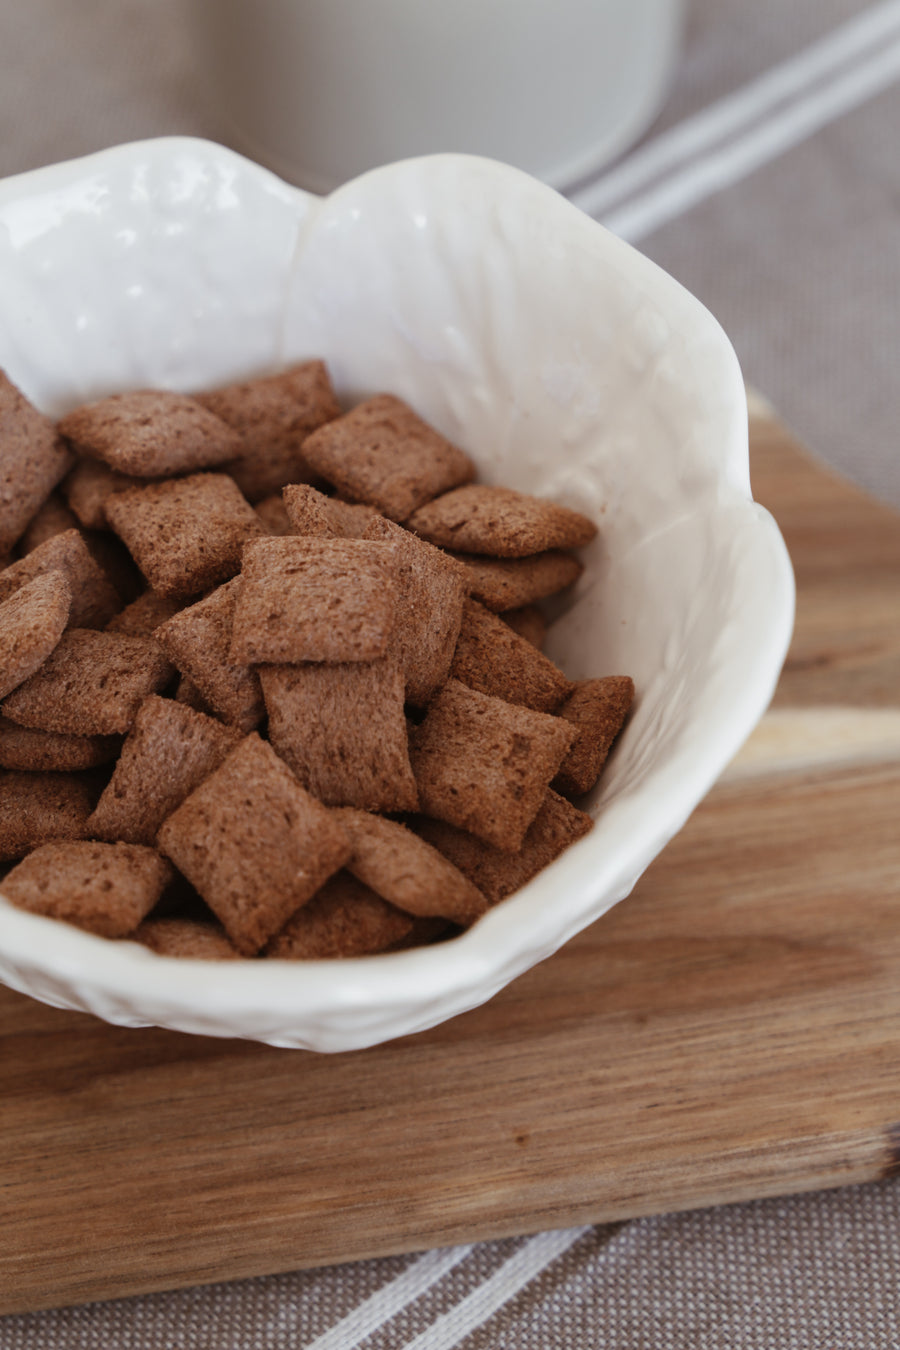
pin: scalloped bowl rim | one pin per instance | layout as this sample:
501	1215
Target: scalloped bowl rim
327	1006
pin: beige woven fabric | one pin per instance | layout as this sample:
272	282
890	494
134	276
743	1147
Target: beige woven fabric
812	1272
799	260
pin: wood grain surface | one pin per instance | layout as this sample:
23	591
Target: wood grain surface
730	1031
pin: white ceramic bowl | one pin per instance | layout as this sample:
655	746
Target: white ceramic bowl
561	359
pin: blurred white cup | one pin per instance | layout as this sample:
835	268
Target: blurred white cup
321	90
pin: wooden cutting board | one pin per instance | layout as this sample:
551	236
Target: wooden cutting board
730	1031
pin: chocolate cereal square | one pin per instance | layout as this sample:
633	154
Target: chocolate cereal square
33	459
314	600
49	751
493	658
342	730
529	622
150	433
103	888
52	517
37	807
312	513
186	692
273	416
431	592
87	488
167	754
509	583
113	558
345	918
144	615
141	619
424	932
384	454
32	621
273	516
94	598
404	869
254	844
496	873
186	535
597	708
92	684
482	518
197	641
186	938
485	765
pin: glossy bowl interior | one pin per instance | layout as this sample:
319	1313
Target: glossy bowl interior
561	359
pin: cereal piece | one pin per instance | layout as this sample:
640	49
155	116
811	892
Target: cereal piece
344	919
186	534
33	458
529	622
402	868
485	765
598	709
92	684
273	416
141	619
384	454
186	692
150	433
497	874
254	843
144	615
186	938
88	486
53	517
423	933
180	900
167	754
342	730
45	751
311	512
32	621
314	600
482	518
273	516
37	807
430	608
94	598
114	560
197	640
493	658
103	888
508	583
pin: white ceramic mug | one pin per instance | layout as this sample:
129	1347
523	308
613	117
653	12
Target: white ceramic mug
323	89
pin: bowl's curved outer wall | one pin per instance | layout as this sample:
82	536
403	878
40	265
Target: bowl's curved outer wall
565	362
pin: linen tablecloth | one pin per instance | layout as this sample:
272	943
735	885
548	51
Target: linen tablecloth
770	186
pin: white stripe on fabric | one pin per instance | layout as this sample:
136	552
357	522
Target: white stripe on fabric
681	191
391	1299
737	110
447	1330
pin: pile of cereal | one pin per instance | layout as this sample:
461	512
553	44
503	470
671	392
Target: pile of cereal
271	675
